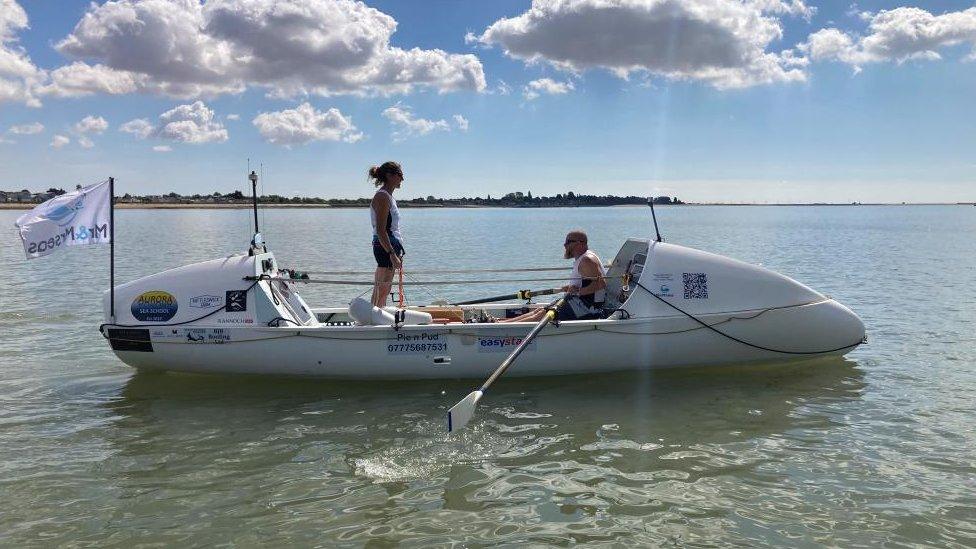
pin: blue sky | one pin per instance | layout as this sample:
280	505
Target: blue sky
708	100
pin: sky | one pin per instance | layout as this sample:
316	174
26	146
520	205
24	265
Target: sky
707	100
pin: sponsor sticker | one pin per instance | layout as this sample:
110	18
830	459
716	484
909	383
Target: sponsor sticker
236	301
502	343
205	301
154	306
665	282
235	320
206	335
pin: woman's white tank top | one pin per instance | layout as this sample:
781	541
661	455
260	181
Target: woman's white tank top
393	222
576	279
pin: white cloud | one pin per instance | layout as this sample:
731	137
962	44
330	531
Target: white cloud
407	125
88	126
162	148
304	124
188	49
897	35
547	86
233	117
854	11
140	127
192	123
91	125
80	79
27	129
721	42
59	141
791	7
461	122
18	75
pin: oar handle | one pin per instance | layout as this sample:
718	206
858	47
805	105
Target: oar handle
549	317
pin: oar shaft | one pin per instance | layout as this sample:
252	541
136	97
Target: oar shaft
487	299
461	413
523	294
549	317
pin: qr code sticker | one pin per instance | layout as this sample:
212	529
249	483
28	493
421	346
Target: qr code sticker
696	285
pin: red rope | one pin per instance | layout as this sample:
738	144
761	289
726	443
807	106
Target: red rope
400	289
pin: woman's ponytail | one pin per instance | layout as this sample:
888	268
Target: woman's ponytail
378	173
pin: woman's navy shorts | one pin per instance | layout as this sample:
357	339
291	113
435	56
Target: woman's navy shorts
383	258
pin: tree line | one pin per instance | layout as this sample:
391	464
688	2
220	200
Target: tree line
512	199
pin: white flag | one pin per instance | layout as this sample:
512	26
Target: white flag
72	219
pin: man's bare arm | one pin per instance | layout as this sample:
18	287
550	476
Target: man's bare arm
590	270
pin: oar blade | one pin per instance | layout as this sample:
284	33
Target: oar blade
461	413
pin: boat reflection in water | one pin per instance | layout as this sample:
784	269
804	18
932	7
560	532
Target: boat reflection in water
605	452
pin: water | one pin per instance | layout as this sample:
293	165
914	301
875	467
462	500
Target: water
876	448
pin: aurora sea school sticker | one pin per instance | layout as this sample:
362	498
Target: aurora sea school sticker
154	306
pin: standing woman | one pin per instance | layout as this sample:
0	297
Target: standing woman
385	216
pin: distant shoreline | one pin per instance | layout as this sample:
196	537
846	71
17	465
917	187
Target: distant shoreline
241	206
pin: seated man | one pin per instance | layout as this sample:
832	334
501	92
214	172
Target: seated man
586	288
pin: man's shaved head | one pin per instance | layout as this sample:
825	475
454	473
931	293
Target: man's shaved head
576	235
578	246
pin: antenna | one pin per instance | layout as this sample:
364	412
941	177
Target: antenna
254	198
650	202
257	243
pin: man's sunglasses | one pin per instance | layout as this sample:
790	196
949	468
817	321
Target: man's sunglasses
568	242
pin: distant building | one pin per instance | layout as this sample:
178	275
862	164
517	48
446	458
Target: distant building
15	196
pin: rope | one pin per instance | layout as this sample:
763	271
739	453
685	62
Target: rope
400	286
442	271
430	293
436	282
746	343
566	330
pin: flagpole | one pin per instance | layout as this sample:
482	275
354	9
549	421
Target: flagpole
111	244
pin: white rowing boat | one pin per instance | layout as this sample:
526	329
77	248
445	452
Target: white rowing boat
668	306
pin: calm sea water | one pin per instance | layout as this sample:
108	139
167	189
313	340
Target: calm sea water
877	448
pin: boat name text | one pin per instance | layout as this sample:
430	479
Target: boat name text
93	233
417	343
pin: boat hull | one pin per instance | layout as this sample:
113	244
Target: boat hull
459	351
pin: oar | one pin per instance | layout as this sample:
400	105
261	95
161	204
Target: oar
521	294
460	414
